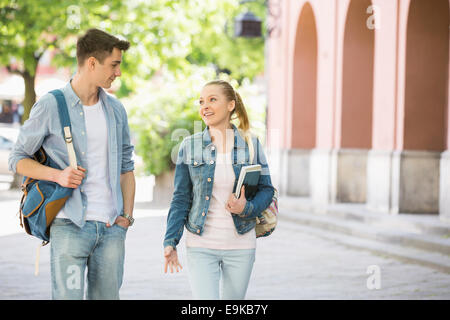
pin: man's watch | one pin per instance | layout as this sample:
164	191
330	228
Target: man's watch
129	218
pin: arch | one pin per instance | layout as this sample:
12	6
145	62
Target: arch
426	76
357	82
305	81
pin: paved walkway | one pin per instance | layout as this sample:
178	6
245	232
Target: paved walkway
296	262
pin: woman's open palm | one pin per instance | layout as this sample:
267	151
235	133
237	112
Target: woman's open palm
171	259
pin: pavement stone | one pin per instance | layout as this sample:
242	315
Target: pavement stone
295	262
298	261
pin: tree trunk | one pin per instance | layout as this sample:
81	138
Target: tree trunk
30	94
28	102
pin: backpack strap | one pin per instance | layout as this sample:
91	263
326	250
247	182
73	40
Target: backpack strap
65	125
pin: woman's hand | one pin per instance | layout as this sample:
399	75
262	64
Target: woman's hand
171	259
235	205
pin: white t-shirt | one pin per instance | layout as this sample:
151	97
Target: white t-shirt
219	229
96	184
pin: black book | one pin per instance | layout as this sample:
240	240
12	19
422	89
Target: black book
248	177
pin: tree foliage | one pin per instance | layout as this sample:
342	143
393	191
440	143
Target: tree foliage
166	110
176	34
176	38
30	27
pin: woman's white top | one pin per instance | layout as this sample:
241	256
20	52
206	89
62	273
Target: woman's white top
219	230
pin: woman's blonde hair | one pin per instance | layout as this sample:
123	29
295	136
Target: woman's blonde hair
239	108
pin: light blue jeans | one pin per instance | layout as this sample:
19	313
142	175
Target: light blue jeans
207	267
100	249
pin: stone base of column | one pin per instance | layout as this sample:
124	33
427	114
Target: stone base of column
297	173
320	173
379	190
294	172
349	175
415	181
444	187
403	181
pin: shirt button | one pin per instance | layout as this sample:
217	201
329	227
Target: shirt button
198	230
209	179
212	161
207	198
213	148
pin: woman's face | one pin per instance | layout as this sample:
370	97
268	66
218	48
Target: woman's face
215	109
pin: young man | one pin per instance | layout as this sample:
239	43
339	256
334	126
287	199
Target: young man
91	228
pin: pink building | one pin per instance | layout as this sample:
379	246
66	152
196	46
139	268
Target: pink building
358	91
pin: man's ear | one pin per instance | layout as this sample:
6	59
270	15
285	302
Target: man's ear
91	61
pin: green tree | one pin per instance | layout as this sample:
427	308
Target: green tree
215	43
173	35
163	33
28	28
166	110
162	113
189	43
177	38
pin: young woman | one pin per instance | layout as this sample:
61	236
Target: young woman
221	240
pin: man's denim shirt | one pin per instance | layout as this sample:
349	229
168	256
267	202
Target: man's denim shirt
193	190
43	128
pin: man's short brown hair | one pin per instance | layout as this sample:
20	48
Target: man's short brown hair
99	44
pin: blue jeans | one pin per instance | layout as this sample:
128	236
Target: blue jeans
100	249
208	266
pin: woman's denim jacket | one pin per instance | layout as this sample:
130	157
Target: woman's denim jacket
194	178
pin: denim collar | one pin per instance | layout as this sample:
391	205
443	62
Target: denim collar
239	142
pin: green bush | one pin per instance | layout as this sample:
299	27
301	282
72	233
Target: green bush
161	116
166	110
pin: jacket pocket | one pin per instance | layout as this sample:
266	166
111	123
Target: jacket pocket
196	168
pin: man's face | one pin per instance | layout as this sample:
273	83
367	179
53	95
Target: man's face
105	73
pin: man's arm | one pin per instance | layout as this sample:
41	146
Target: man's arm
30	139
127	181
33	169
69	177
128	186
